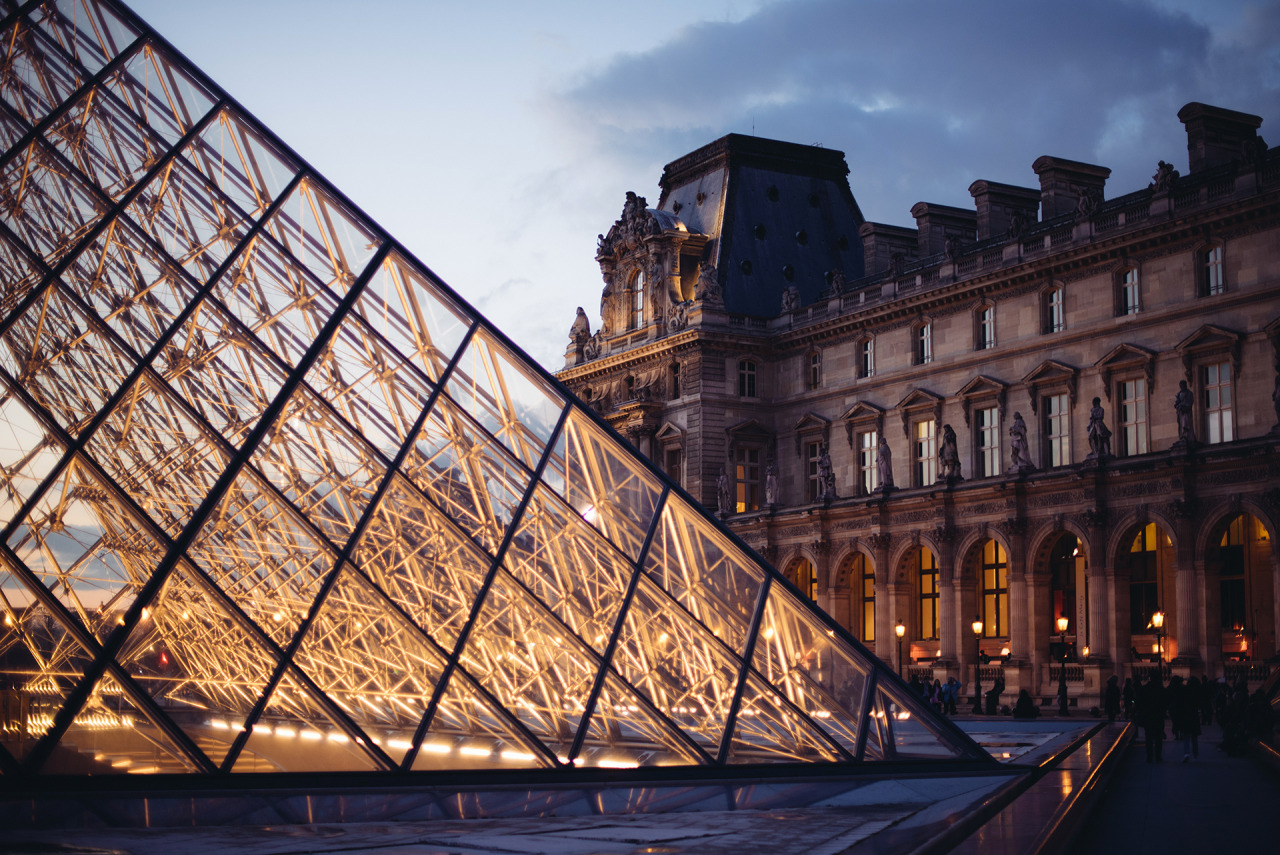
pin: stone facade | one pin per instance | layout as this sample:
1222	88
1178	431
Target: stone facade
1075	398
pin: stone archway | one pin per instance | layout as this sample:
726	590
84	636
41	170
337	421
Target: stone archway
1240	589
1145	563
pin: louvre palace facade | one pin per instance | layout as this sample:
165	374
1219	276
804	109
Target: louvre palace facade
1061	403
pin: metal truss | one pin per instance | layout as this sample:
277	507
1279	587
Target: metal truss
274	498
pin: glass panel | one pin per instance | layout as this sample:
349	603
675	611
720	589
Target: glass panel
816	671
507	398
84	29
160	93
708	575
471	731
120	278
266	559
318	232
36	76
276	299
370	385
79	541
157	453
198	662
530	663
577	574
27	454
421	562
296	733
246	167
678	665
907	729
626	731
768	730
47	208
320	466
371	663
20	276
608	485
110	735
466	473
412	312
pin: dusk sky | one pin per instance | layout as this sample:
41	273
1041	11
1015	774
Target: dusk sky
495	140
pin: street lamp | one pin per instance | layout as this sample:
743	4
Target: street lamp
977	668
1062	671
1157	620
900	631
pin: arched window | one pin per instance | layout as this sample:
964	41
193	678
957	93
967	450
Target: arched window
1055	318
1211	276
1067	583
985	328
927	572
801	573
995	590
1145	562
813	369
923	345
1128	295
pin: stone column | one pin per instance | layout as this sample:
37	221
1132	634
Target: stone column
1190	606
887	599
952	623
1019	604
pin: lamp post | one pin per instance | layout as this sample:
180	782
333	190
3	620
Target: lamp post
977	668
900	630
1157	620
1062	671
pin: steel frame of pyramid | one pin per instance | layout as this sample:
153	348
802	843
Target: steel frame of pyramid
274	498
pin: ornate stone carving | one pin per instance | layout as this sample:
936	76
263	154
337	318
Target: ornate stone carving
1099	433
678	316
1164	179
880	540
636	223
708	290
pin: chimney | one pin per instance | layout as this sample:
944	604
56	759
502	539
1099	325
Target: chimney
880	243
1063	182
1001	206
936	223
1216	136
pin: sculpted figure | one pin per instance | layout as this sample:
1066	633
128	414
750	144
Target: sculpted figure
1165	175
837	282
884	463
771	485
581	329
1018	442
1182	404
948	456
708	289
791	299
826	475
724	499
1099	434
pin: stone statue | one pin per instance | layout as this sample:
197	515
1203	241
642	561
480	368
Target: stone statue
591	347
678	316
1019	446
836	282
948	457
1088	203
791	299
581	329
708	289
724	499
1017	222
1162	181
771	485
1182	404
1099	434
884	463
826	475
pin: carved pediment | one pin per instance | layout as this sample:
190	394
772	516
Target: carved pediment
1049	374
1210	339
1127	356
749	431
863	413
918	400
981	387
810	424
669	433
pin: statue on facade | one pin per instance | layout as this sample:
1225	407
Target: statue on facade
1162	181
835	282
678	316
884	464
948	457
724	499
1019	446
790	299
591	347
1099	434
1018	223
708	289
826	475
771	485
581	329
1087	203
1182	405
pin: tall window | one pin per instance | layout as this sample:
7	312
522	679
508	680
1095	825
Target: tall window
867	357
1215	381
815	369
866	573
1128	303
813	457
995	590
1144	578
924	344
929	599
801	574
988	442
675	380
637	301
868	468
673	464
1133	417
1057	430
746	462
986	327
746	378
1211	278
925	452
1054	316
1234	609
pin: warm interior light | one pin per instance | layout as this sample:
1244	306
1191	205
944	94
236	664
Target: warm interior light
1004	651
900	629
1062	624
1085	651
1157	619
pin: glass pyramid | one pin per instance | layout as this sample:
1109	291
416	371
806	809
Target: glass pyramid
274	498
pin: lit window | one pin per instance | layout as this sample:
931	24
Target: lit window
801	574
1144	578
815	476
1057	430
986	327
1215	383
924	344
746	462
637	302
1054	316
1211	276
988	420
868	468
1129	299
925	452
995	590
929	598
746	378
867	357
1133	417
815	369
867	573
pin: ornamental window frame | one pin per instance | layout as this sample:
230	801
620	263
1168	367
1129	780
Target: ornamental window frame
860	420
812	430
922	344
1211	268
1052	379
747	470
748	377
1220	347
812	368
1053	309
865	356
984	326
1127	284
984	394
669	441
919	407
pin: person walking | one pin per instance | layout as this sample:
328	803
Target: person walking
1184	713
1111	698
1149	711
1129	695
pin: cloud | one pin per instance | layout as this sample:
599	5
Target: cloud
924	97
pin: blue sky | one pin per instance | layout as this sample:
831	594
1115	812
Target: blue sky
497	139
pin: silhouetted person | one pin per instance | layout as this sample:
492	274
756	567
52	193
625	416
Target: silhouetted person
993	696
1184	714
1111	698
1149	714
1129	695
1025	707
